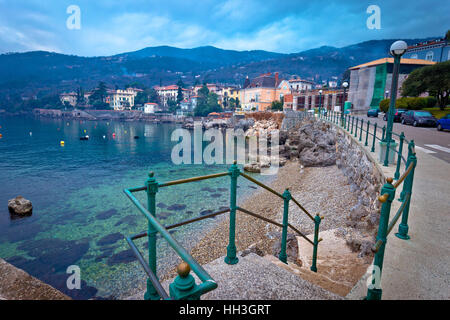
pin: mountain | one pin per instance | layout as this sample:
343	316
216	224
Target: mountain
41	73
206	55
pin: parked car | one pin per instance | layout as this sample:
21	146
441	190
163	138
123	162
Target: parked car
418	118
444	122
397	115
373	112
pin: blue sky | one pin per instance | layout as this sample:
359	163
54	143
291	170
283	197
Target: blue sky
110	27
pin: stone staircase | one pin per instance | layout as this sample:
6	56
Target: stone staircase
257	277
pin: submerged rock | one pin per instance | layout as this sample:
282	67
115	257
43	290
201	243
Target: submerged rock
20	206
176	207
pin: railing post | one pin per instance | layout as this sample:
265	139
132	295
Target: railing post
384	133
407	190
374	289
408	161
152	189
399	158
317	220
231	249
374	137
353	120
367	133
361	129
287	197
183	286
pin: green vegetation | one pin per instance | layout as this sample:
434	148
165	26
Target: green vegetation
434	80
410	103
438	112
148	95
206	103
276	105
97	98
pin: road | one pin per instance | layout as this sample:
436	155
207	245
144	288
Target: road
429	140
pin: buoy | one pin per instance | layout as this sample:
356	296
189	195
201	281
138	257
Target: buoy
62	143
84	130
114	135
125	131
67	124
1	136
104	137
31	133
86	137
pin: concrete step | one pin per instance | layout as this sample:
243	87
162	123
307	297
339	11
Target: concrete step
338	268
257	278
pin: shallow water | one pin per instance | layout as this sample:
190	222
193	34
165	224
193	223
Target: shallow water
81	214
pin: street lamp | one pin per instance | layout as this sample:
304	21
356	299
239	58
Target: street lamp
320	101
345	85
398	48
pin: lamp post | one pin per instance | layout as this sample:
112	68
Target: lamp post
320	101
345	85
398	48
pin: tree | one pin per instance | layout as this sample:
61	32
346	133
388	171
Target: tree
179	95
97	98
276	105
434	80
206	102
447	35
181	84
173	106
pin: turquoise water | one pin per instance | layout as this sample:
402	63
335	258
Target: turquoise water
81	214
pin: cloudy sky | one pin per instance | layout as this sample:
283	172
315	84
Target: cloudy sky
110	27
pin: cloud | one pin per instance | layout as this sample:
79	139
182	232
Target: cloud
110	27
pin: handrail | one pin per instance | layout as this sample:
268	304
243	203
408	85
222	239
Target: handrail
154	280
273	222
208	282
210	176
404	175
303	209
394	220
261	185
184	285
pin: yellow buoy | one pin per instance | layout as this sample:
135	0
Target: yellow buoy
84	130
62	143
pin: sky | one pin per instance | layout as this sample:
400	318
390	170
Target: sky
110	27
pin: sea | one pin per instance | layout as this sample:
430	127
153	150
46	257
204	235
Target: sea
81	215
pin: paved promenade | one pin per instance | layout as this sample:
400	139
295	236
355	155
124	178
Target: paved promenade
419	268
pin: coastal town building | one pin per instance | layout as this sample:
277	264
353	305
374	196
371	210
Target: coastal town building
307	100
122	99
370	82
167	93
151	107
434	50
259	94
70	98
298	84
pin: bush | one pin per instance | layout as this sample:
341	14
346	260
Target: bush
410	103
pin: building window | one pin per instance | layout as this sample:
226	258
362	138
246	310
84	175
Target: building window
429	56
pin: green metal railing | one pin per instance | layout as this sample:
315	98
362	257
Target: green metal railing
388	190
184	286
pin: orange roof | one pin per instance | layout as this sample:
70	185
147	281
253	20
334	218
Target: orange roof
391	60
214	114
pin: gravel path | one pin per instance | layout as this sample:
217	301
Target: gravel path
321	190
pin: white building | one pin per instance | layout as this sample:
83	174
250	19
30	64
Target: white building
70	98
151	107
122	99
298	84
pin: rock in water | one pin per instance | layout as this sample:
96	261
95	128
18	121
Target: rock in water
20	206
